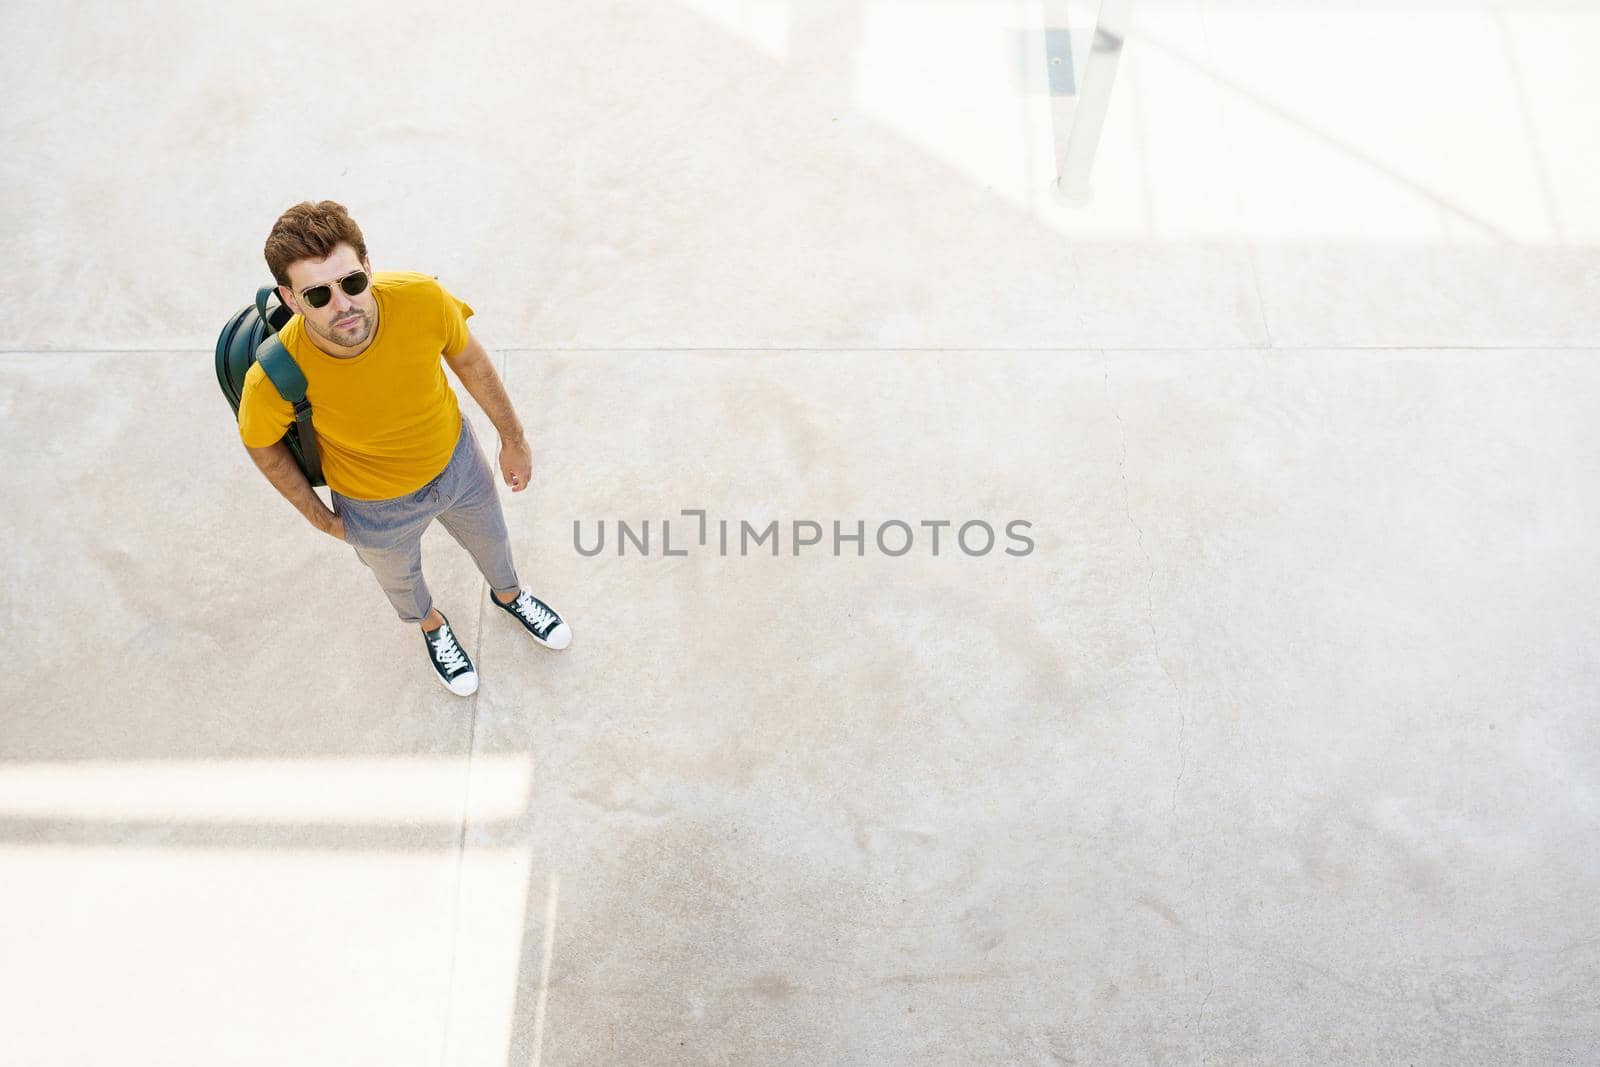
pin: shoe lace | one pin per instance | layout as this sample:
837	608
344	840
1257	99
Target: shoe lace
447	652
536	614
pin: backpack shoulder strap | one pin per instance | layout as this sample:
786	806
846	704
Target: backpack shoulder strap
278	316
290	381
275	359
286	375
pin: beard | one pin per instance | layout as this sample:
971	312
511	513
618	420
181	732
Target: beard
352	333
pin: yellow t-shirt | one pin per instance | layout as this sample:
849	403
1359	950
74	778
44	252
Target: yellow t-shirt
386	420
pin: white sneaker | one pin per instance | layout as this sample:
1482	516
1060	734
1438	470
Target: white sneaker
538	618
450	662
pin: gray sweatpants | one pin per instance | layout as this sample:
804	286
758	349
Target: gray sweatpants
387	534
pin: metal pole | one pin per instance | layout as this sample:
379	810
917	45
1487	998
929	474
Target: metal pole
1075	160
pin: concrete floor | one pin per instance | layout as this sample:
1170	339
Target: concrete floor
1281	746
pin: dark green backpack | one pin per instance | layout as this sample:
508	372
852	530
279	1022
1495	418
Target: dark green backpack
251	336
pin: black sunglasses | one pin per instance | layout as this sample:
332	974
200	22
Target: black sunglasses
353	284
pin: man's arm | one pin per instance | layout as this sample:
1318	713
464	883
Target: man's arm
277	463
476	371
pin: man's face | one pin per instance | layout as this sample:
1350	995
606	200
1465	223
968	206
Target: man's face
345	321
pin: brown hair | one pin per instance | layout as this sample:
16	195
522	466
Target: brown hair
310	231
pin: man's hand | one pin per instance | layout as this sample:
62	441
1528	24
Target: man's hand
279	466
516	463
330	523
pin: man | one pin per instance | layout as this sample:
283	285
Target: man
396	451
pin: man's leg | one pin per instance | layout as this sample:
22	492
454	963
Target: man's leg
397	563
399	572
477	522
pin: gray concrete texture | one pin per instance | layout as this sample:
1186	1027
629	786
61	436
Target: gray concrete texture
1279	747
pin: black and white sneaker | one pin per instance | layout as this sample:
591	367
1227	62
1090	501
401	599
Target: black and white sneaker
538	618
450	661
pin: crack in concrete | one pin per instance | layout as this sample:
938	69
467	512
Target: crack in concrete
1198	1020
1149	590
1266	331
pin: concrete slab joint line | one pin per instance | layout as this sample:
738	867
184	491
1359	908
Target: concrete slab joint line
461	843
